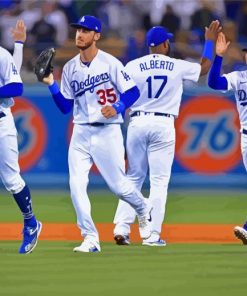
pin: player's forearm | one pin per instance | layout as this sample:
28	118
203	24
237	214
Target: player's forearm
216	81
127	99
18	54
64	105
11	90
207	57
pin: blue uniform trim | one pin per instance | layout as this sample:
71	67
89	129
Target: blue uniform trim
54	88
64	105
10	90
119	107
127	99
208	50
19	42
216	81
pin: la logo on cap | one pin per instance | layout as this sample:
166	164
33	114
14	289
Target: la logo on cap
83	19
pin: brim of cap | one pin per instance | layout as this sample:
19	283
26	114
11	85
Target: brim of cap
78	26
170	35
244	49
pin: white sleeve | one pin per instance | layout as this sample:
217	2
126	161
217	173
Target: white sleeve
191	71
120	78
8	69
232	79
66	89
18	55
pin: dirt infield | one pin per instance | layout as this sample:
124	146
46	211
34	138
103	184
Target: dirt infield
173	233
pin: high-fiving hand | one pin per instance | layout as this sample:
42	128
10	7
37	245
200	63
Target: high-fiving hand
19	32
221	44
211	32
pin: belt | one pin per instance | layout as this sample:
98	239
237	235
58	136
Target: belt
2	114
96	124
139	113
244	131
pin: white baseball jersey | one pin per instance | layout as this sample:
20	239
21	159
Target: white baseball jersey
8	74
94	86
160	81
9	167
237	81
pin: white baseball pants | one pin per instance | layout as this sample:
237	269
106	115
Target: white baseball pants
244	149
150	144
102	145
9	167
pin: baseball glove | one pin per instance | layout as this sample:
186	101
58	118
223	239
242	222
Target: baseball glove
43	66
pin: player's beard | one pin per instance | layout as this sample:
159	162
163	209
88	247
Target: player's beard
87	45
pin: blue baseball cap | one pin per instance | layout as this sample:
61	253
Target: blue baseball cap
157	35
89	22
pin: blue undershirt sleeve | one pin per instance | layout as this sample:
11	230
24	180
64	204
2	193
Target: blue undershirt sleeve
64	105
127	99
10	90
216	81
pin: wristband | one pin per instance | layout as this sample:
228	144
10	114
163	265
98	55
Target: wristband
54	88
208	50
119	107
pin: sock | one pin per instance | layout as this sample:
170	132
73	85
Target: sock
24	202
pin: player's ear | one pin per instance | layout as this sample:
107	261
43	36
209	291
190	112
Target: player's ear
166	46
96	36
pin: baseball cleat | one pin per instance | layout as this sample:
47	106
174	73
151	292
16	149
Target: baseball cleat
158	243
241	234
122	240
30	238
88	246
145	225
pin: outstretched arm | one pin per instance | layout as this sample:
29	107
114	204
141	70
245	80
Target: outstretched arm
216	81
211	34
19	36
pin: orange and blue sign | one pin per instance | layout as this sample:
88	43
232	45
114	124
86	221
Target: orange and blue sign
207	135
32	132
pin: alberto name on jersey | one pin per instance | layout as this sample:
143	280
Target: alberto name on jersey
94	86
160	81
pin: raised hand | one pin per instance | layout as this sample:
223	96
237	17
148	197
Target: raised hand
221	44
19	32
211	32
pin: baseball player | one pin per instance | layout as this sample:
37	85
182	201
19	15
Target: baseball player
151	133
98	89
236	81
11	86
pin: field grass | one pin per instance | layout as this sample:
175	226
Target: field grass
182	207
177	269
174	270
